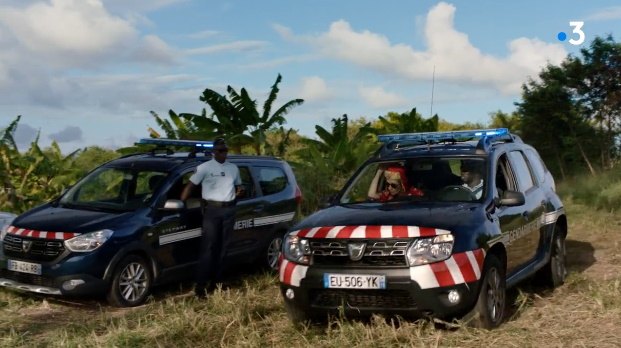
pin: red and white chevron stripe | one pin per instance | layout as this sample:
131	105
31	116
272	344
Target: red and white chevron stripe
24	232
291	273
460	268
368	232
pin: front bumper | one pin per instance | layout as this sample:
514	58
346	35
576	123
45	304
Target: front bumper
71	274
401	296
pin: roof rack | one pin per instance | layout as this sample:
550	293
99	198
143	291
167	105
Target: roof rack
485	136
161	143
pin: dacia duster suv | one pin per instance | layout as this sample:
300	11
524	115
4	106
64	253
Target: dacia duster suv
122	229
473	212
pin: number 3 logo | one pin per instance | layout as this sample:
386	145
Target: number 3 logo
577	30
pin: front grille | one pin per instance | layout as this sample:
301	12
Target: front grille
42	250
371	299
377	253
27	278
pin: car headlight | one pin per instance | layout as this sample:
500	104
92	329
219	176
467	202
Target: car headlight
88	241
297	249
428	250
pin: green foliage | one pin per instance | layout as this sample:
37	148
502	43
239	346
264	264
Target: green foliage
602	191
38	175
235	117
572	113
405	123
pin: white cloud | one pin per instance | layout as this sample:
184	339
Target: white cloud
606	14
40	42
377	97
448	51
154	49
235	46
67	32
314	88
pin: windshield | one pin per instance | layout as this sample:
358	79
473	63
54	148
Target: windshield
436	179
116	189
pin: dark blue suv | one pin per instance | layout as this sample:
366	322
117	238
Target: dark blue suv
433	224
122	229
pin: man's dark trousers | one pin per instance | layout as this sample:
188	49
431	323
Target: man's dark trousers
217	229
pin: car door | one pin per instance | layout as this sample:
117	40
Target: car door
249	206
519	224
178	231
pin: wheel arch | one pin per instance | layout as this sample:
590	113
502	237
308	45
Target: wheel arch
500	252
133	249
561	223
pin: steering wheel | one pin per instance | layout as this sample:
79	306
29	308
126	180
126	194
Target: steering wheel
456	193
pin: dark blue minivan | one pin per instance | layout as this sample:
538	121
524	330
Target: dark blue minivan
122	229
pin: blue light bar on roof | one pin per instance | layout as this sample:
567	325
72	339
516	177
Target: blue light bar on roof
175	142
442	136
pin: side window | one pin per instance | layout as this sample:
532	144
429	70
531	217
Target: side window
247	182
522	172
504	176
271	179
536	164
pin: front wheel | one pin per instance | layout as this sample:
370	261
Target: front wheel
489	310
131	282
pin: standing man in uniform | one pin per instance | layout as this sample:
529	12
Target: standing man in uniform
221	184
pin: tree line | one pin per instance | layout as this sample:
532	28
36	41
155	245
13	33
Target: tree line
571	113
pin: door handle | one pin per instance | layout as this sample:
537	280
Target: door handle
258	208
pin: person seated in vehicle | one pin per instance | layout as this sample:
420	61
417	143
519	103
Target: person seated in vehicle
395	185
472	176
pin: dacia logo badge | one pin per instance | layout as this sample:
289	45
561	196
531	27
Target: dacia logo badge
356	250
26	244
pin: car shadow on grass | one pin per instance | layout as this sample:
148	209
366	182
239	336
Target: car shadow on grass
579	257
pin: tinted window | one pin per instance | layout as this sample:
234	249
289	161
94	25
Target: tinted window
536	164
115	188
271	179
247	182
524	178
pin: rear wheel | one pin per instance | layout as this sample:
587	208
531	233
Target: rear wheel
272	253
131	282
489	309
553	274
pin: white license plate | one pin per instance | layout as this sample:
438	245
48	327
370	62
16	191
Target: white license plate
354	281
24	267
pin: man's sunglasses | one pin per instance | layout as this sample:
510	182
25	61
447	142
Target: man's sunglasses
221	150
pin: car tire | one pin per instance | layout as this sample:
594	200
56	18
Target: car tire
488	312
271	253
131	282
553	274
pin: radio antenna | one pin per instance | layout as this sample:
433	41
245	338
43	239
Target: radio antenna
433	82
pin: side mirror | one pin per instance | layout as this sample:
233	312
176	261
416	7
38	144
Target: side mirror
512	198
173	204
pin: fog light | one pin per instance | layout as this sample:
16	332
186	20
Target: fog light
289	294
71	284
453	296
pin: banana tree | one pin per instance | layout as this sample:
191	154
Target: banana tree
406	123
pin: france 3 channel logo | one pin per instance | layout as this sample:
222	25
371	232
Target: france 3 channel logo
577	33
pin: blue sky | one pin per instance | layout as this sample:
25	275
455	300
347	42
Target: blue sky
87	72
